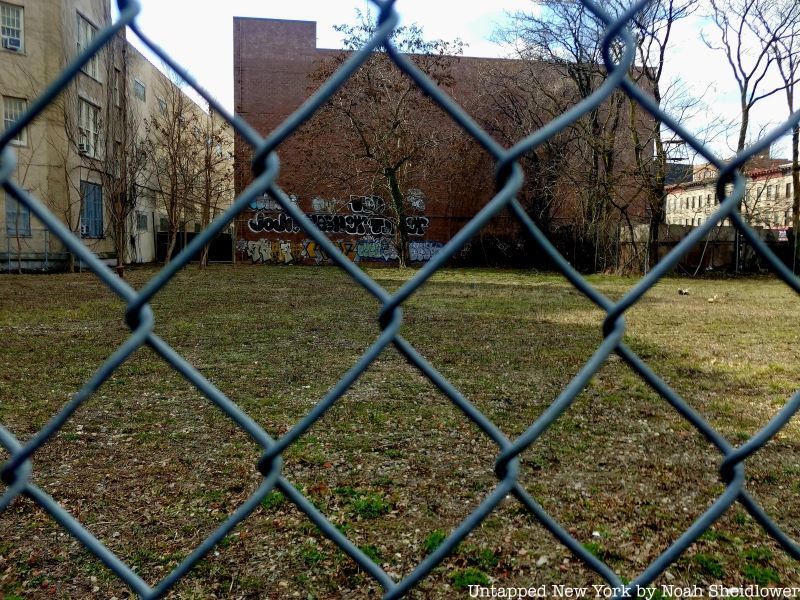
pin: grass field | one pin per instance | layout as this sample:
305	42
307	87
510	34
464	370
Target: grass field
150	467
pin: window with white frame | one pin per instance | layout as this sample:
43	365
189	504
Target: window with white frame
13	108
139	90
89	128
85	34
788	189
11	27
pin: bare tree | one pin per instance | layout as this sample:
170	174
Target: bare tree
563	43
517	99
124	166
171	149
215	170
653	27
749	34
378	127
787	57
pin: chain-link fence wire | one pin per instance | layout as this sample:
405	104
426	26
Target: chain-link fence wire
16	472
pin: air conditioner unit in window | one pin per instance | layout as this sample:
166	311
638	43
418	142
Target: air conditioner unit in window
12	44
83	148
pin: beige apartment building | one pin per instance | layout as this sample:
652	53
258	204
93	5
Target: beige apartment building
767	203
94	156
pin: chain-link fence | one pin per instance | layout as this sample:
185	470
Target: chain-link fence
16	472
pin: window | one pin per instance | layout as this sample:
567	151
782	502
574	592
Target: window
11	27
769	192
139	90
708	200
18	218
89	128
85	34
12	111
141	221
91	210
788	189
162	106
163	223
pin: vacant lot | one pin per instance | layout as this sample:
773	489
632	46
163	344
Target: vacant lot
151	467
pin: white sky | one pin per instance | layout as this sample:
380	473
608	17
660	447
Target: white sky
202	41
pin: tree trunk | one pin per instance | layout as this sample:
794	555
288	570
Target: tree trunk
19	250
173	238
204	256
401	235
206	215
795	193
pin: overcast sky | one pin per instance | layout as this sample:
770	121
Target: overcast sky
202	41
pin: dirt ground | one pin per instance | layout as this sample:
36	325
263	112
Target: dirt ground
151	467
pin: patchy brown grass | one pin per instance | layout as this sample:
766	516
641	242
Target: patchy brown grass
151	467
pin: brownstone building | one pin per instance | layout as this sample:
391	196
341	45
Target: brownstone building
276	66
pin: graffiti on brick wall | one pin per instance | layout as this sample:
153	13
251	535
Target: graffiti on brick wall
290	251
369	234
376	249
417	226
353	224
270	251
312	251
422	251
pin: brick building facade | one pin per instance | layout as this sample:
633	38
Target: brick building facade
273	65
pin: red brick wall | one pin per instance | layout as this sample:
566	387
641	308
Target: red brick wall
272	63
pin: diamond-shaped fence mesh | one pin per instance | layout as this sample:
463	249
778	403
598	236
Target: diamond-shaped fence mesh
16	472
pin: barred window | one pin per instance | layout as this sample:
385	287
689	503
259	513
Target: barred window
13	108
11	27
141	221
85	34
89	128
